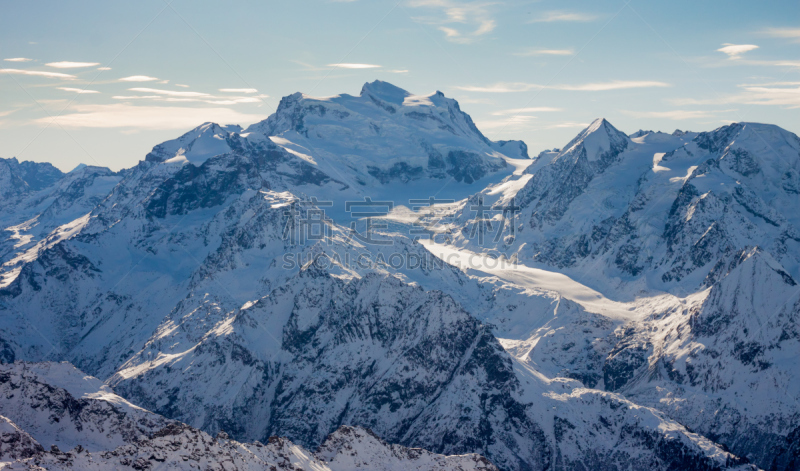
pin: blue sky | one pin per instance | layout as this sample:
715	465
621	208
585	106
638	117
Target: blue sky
102	82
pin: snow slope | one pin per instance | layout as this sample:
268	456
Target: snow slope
655	212
60	405
180	288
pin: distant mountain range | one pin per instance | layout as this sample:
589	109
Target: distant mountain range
625	302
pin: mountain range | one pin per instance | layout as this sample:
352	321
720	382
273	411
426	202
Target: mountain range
627	301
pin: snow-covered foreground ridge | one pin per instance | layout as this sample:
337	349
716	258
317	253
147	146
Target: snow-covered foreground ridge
644	316
85	426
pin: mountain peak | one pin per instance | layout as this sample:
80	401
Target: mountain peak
599	138
385	91
196	146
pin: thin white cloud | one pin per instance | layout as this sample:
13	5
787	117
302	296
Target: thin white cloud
476	101
137	97
77	90
735	51
181	85
677	115
38	73
545	52
398	71
785	33
104	68
764	95
138	78
516	121
515	111
461	22
238	90
169	92
355	66
122	115
753	94
770	84
568	124
18	59
588	87
499	88
613	85
189	97
71	65
555	16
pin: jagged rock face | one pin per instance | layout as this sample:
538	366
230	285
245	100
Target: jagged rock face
181	447
660	207
58	404
736	196
62	406
172	288
21	177
355	447
385	135
32	216
705	364
411	365
15	443
319	353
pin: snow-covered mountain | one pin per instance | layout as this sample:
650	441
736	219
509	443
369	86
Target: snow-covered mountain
96	429
24	177
652	301
30	216
725	363
655	211
385	134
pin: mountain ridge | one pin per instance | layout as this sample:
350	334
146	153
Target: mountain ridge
170	282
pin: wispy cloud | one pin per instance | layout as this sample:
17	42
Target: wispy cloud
513	122
39	73
71	65
122	115
138	78
354	66
181	85
560	15
175	96
476	101
613	85
537	109
238	90
769	95
461	22
677	115
77	90
735	51
770	84
104	68
754	94
18	59
544	52
587	87
785	33
398	71
176	93
567	124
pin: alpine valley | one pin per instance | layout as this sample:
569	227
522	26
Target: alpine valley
368	282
